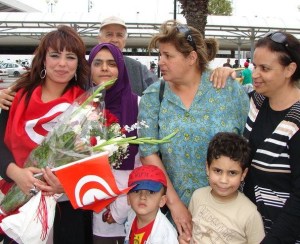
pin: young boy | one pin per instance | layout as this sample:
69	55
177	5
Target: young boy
222	214
146	223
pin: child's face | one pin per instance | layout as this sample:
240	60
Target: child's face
225	177
146	203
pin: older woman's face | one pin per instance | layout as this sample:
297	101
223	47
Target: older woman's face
104	67
60	66
269	76
172	63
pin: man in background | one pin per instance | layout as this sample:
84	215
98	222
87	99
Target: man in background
114	30
250	67
227	64
236	64
246	78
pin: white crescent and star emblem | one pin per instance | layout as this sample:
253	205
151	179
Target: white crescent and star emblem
92	194
37	130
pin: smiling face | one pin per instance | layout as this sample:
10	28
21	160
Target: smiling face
60	66
269	76
225	177
104	67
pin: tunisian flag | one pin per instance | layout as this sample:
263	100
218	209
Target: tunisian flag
89	183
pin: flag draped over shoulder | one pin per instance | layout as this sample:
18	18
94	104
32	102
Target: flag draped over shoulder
89	183
28	124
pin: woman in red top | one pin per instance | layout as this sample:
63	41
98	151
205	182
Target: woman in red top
58	75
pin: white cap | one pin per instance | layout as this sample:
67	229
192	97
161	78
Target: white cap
112	21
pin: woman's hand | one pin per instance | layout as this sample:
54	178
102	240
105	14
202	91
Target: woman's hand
23	177
6	98
53	185
220	75
182	239
182	218
179	211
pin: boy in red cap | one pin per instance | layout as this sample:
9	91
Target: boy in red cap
146	223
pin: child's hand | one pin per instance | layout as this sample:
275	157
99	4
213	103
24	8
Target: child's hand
183	239
110	219
107	217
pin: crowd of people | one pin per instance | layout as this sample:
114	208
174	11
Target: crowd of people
229	175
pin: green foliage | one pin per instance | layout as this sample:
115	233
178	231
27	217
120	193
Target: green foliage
219	7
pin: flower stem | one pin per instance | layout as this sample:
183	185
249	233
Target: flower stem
96	92
133	140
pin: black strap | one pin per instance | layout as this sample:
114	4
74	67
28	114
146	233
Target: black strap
161	90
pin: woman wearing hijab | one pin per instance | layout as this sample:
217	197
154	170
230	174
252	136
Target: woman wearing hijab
107	63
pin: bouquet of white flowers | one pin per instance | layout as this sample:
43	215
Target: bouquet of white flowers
83	129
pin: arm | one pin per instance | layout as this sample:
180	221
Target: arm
286	228
148	76
6	155
136	75
149	110
180	213
6	98
23	177
119	208
220	75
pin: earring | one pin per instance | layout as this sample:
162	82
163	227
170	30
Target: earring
241	187
43	73
75	76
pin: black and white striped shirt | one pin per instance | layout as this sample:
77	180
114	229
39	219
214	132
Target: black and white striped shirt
275	168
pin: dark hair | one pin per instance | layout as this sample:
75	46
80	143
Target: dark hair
230	145
288	50
64	37
206	49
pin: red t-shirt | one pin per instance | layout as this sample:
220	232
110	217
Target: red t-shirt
140	236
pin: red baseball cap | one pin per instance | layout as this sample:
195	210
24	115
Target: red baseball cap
147	177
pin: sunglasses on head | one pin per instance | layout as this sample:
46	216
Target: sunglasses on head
277	37
280	38
184	29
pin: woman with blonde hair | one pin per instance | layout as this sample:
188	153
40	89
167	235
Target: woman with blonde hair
192	107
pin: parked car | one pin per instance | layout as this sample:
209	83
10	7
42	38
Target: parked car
14	69
3	72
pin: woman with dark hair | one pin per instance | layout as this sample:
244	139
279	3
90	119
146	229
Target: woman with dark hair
59	74
272	128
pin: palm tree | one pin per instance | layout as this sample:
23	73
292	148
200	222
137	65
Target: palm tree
195	12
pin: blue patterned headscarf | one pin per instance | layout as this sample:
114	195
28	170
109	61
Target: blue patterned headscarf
119	99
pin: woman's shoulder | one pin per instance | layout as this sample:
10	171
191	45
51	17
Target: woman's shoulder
230	84
154	87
